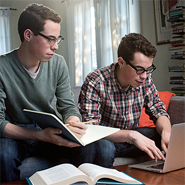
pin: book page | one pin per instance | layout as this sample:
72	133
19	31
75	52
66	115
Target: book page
58	174
96	132
96	172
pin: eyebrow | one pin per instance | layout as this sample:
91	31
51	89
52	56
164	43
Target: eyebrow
143	67
52	36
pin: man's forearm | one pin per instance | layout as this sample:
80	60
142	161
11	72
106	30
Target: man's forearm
121	136
163	125
15	132
50	135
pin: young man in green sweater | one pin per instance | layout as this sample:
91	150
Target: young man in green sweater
30	76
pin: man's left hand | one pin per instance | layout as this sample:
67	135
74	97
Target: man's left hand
165	137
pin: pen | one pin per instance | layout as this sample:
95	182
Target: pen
86	122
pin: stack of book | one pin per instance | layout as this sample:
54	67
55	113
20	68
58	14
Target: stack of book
177	48
176	68
177	51
177	20
178	80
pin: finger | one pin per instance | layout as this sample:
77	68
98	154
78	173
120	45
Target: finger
78	124
154	152
164	147
156	159
77	130
157	153
59	140
150	154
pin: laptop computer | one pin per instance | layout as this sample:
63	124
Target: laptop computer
175	157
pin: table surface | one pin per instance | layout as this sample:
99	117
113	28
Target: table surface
149	178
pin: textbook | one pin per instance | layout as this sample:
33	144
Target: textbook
85	174
93	132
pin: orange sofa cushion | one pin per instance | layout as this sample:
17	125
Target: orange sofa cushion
145	121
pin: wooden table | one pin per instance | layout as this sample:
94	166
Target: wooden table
149	178
20	182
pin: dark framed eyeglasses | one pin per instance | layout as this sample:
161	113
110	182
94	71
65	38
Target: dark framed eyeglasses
139	69
52	40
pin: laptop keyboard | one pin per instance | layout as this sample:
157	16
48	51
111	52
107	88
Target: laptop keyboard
157	166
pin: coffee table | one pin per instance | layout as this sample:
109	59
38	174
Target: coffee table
149	178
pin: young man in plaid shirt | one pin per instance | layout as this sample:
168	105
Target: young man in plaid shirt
115	95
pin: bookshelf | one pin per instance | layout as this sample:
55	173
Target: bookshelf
177	50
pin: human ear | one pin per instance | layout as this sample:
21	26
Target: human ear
27	35
120	61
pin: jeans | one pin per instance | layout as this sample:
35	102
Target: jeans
13	152
102	152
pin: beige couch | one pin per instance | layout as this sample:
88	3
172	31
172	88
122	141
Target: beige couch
32	164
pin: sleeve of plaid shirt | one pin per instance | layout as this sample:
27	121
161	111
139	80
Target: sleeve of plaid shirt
89	101
153	104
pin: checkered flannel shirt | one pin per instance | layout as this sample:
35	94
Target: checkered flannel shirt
102	99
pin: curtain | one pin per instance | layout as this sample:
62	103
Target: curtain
95	28
5	35
112	23
79	39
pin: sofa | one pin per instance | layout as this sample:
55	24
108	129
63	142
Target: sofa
32	164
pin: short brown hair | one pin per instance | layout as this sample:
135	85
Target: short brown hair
134	42
33	17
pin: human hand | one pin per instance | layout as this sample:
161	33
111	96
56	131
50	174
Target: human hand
165	138
147	145
51	135
77	127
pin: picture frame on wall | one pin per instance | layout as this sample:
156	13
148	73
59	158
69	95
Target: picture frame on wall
162	26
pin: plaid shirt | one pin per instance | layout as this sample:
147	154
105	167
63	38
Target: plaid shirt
102	99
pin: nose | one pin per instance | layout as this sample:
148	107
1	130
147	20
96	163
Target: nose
55	46
143	75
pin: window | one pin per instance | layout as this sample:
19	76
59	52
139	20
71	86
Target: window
5	36
95	28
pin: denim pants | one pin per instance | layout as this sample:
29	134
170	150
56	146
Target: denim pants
13	152
102	152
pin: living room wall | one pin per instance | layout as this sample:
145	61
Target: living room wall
147	27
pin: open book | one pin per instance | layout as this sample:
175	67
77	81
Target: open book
86	173
93	132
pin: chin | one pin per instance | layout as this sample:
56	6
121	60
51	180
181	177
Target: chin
136	85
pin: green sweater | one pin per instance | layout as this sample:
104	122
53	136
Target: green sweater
19	91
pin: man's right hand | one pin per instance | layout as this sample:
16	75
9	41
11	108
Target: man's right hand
142	142
147	145
51	135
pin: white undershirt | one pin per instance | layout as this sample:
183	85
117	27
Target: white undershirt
33	75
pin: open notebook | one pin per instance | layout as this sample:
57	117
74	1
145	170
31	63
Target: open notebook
93	132
175	157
